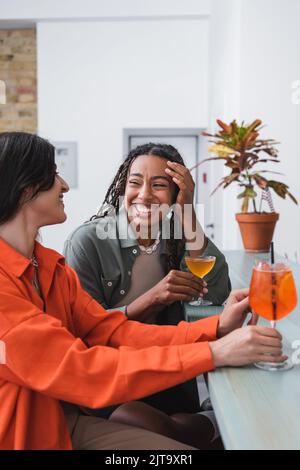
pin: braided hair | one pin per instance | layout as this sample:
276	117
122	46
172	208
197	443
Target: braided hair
175	247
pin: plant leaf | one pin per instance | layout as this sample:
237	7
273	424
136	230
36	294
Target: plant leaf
216	189
280	189
269	171
292	197
222	150
229	179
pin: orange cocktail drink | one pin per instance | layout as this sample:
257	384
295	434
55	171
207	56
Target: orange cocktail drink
272	292
273	296
200	266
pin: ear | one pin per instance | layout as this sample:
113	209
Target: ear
27	195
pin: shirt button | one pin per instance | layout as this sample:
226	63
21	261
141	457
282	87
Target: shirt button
129	273
134	251
122	292
109	284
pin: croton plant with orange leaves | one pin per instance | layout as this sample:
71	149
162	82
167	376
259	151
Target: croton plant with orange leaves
241	149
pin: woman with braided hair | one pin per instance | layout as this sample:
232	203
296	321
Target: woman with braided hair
138	266
151	180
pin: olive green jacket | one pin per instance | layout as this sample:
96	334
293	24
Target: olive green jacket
104	263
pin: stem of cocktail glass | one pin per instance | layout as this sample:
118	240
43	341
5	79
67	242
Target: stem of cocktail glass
273	323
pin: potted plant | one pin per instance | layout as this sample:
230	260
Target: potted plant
242	150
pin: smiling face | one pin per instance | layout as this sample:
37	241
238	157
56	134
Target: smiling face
47	207
148	187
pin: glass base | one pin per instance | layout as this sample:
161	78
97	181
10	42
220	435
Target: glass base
281	366
275	367
200	303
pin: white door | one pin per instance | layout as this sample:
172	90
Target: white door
192	150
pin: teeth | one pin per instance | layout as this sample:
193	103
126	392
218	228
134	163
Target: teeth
145	209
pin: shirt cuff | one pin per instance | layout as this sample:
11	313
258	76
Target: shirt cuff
196	359
203	330
122	309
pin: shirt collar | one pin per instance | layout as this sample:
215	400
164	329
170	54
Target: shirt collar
15	263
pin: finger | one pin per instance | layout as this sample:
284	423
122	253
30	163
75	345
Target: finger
269	351
190	277
176	283
180	183
184	172
238	295
265	331
266	358
269	355
268	341
194	283
189	184
240	308
184	178
180	169
173	174
185	290
182	298
188	290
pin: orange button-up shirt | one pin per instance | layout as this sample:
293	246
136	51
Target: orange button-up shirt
69	348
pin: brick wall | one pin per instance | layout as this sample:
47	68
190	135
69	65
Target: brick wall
18	72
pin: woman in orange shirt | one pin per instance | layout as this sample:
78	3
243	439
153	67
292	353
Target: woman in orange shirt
61	345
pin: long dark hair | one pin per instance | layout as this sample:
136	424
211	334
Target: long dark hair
175	247
26	161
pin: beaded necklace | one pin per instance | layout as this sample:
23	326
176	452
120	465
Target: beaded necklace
150	249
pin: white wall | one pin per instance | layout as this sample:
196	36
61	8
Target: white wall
224	103
270	62
255	59
92	9
96	78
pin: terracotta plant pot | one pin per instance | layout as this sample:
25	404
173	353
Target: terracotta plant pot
257	230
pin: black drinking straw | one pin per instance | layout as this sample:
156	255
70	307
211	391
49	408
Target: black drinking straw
274	304
272	253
